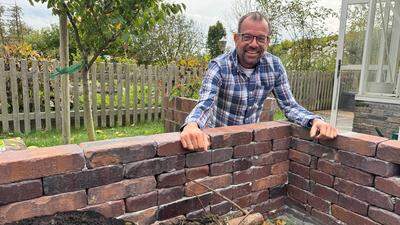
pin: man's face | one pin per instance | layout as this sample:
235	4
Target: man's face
251	42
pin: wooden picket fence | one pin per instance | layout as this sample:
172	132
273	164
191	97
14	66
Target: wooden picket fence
123	94
312	90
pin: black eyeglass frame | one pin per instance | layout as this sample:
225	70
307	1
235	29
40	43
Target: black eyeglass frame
260	38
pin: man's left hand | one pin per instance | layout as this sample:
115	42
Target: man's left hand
322	130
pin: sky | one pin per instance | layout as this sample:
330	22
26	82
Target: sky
203	12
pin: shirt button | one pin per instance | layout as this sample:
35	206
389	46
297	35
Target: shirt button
251	92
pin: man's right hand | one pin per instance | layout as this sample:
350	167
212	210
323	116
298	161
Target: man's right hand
193	138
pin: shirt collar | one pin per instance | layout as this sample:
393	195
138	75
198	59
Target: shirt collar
235	62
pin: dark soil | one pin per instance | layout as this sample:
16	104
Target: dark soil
72	218
207	219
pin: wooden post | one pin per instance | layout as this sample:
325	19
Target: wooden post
66	125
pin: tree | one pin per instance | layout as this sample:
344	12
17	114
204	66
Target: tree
175	38
16	27
2	26
215	34
98	24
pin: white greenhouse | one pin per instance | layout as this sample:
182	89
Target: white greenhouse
367	78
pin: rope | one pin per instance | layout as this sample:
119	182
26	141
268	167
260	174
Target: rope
66	70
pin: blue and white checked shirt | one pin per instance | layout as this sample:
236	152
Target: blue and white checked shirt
230	97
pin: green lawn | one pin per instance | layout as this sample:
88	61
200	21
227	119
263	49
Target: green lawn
279	115
52	138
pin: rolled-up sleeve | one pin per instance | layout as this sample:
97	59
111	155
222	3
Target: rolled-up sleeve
293	111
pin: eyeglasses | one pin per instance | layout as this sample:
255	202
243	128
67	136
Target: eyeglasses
248	38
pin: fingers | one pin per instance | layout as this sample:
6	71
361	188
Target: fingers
313	132
194	139
326	131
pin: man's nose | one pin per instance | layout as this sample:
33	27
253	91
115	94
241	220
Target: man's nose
253	42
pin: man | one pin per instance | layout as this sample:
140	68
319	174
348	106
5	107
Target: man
236	84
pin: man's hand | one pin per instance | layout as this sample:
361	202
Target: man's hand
193	138
322	130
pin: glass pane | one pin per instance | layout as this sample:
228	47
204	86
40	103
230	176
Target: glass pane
381	76
356	24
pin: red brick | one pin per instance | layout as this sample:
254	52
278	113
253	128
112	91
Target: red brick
319	203
185	104
83	179
260	196
300	157
325	193
192	189
265	131
147	216
281	144
217	169
244	201
221	155
168	144
118	151
242	164
382	216
221	208
141	202
241	151
241	190
120	190
363	193
260	172
151	167
278	191
299	181
244	176
229	136
299	169
262	147
300	132
108	209
271	158
327	166
389	151
26	165
350	217
168	195
353	204
183	206
197	172
321	178
16	192
324	218
297	205
368	164
314	149
198	159
354	175
298	194
198	213
46	205
279	168
397	206
179	116
227	192
172	179
388	185
314	162
362	144
268	182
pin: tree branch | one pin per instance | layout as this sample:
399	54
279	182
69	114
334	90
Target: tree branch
75	29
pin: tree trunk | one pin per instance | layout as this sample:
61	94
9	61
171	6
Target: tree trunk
87	104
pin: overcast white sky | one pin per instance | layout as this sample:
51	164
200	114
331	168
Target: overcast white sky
203	12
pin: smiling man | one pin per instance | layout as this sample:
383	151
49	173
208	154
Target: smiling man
237	83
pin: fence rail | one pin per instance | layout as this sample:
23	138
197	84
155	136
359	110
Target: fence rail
123	94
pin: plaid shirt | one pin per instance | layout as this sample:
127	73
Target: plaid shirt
230	97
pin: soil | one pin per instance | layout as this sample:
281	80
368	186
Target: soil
72	218
208	219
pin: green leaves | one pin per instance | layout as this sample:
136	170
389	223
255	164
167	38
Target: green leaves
215	33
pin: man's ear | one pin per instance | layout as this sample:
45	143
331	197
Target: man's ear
236	37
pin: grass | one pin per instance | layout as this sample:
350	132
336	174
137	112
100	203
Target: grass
52	138
279	115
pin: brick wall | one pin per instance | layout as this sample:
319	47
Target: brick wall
178	108
369	115
263	167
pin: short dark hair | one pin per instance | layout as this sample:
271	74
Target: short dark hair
256	16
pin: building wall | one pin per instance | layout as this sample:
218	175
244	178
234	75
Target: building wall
264	167
369	115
